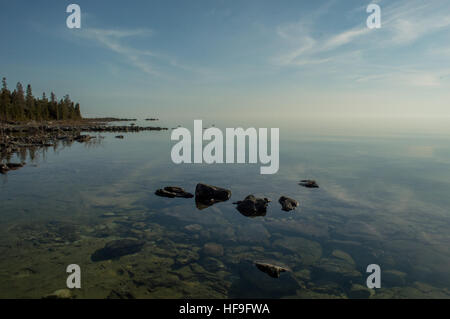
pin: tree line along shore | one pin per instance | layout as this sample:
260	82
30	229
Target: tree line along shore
21	105
28	123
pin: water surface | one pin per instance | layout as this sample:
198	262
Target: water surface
382	200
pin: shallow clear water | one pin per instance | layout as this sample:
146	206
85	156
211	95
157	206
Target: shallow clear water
382	200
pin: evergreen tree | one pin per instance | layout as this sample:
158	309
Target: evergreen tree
19	106
18	101
30	105
5	101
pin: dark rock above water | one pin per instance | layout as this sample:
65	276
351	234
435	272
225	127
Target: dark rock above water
309	183
172	192
207	195
83	138
273	271
117	248
252	206
287	203
3	168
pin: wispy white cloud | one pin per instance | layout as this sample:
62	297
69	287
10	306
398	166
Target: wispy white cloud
409	21
147	61
412	78
403	23
113	40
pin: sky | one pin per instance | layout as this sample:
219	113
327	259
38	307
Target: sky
230	59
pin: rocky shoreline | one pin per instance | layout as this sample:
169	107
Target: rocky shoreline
19	137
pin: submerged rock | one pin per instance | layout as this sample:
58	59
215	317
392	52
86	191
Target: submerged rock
193	228
252	206
309	251
53	232
273	271
117	248
343	256
359	292
108	215
254	283
59	294
118	294
212	264
309	183
288	204
335	270
213	249
172	192
207	195
394	278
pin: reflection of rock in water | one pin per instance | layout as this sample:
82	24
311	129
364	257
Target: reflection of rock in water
308	183
208	195
117	248
32	146
4	168
252	206
254	283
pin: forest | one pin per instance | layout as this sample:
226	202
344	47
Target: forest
20	105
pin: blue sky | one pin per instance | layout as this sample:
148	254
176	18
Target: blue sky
233	58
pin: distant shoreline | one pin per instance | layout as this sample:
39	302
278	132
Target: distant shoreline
85	124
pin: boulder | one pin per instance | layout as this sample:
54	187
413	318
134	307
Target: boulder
172	192
254	283
288	204
273	271
207	195
117	248
252	206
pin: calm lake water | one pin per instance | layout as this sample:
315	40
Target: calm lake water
382	200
